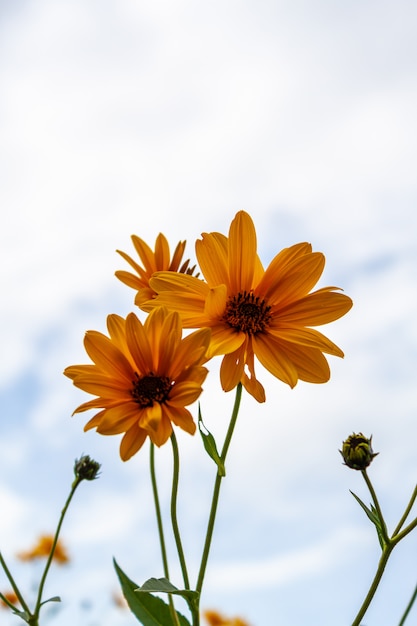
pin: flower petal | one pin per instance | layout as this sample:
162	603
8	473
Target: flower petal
212	256
132	442
242	253
268	350
320	307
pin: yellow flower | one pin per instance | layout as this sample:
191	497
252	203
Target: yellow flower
42	549
214	618
256	312
143	376
152	262
11	597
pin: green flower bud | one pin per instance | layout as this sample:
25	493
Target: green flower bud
357	451
86	468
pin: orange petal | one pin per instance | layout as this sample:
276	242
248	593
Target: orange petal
268	350
181	417
307	337
320	307
212	255
132	441
297	279
224	340
242	253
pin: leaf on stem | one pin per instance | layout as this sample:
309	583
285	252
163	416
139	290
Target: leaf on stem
372	513
54	599
149	610
210	445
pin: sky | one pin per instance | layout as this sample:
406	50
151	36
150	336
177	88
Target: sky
126	117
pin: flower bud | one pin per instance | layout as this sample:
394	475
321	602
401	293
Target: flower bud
357	451
86	468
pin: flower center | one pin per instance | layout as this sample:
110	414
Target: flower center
149	389
247	313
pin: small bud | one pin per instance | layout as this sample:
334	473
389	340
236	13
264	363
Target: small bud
86	468
357	451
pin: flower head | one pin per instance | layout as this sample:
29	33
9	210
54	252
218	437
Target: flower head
86	468
42	549
144	375
213	618
357	451
256	312
152	262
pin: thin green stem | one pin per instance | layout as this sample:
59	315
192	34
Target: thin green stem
174	518
14	585
405	531
74	486
408	607
216	490
377	507
406	512
161	530
377	579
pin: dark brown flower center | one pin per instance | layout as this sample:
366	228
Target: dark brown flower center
149	389
247	313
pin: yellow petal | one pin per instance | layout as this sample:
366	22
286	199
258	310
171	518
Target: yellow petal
132	442
212	256
162	255
297	279
307	337
242	253
268	350
119	419
317	308
311	365
181	417
106	356
216	303
224	340
231	369
184	393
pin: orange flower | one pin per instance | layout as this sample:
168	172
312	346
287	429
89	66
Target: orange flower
152	262
11	597
256	312
42	549
214	618
144	375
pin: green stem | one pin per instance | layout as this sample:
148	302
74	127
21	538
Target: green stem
161	530
377	507
377	579
174	518
216	490
406	512
14	586
35	618
408	608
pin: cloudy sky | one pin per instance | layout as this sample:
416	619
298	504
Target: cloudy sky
142	116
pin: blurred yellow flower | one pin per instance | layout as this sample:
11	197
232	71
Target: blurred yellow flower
256	312
152	262
11	597
213	618
144	375
42	549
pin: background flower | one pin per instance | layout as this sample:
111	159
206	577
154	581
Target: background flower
42	550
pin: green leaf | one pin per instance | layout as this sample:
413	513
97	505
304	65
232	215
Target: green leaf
210	445
374	517
149	610
163	585
54	599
